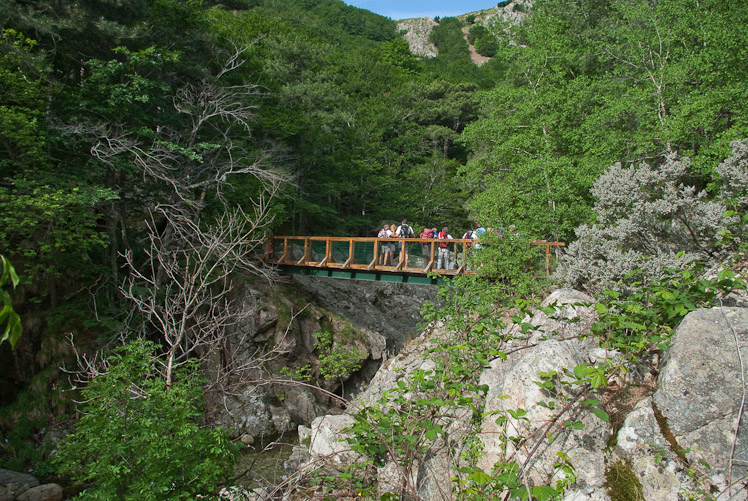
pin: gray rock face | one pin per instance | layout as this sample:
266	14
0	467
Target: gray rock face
328	440
418	35
287	323
701	390
388	309
512	386
246	413
641	443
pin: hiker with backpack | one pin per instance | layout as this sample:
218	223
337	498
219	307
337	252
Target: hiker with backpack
443	249
404	231
426	234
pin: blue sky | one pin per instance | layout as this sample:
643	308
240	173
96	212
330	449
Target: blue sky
404	9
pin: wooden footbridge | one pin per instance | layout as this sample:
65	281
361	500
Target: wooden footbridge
362	258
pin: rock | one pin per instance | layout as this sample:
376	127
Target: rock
585	494
16	483
281	419
244	413
301	404
328	440
514	380
239	493
395	314
284	341
299	456
45	492
418	35
305	434
666	440
699	390
641	444
575	312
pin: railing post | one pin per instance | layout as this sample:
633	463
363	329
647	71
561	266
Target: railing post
349	261
375	260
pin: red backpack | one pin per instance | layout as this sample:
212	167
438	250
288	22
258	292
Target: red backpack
443	245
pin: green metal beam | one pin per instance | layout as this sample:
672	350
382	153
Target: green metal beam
361	275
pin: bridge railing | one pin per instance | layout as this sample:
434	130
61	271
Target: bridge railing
366	253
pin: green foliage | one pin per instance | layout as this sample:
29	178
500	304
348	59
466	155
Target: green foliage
511	260
633	323
484	41
336	362
138	439
22	130
51	226
567	106
10	322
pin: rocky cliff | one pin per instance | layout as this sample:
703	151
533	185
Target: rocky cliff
367	322
417	31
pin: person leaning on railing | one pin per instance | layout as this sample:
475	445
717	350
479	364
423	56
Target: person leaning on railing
443	250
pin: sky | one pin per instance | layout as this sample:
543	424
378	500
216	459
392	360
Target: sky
405	9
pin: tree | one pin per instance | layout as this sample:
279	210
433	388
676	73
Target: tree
594	83
141	439
195	242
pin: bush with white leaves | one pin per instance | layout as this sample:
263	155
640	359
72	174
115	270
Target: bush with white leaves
650	218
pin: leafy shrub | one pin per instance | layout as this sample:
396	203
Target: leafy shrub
10	322
734	175
138	439
649	218
647	317
476	32
510	262
486	45
336	362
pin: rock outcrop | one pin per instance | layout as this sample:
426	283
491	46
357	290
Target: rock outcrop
417	32
682	439
370	319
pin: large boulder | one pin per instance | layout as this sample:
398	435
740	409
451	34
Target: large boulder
512	386
328	443
15	483
44	492
553	344
702	392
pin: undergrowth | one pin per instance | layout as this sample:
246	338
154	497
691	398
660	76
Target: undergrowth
420	414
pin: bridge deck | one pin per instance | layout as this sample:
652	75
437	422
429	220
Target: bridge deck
363	254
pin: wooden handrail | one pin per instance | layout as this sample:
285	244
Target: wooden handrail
350	261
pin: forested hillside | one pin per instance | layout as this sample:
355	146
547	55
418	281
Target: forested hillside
139	136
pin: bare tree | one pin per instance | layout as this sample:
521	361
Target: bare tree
182	284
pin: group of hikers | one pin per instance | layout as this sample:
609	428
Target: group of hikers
404	230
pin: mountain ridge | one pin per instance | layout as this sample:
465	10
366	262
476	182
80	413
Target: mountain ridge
417	31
